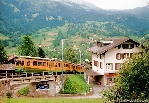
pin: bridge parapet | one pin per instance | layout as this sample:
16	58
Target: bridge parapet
9	84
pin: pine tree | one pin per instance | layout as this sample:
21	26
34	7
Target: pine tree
41	53
60	36
27	48
3	56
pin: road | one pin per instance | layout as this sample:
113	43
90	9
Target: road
96	92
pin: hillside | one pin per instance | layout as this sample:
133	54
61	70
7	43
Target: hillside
49	21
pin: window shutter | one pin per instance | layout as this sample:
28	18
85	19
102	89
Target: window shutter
117	56
122	56
115	66
101	65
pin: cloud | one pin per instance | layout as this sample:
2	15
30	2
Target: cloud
118	4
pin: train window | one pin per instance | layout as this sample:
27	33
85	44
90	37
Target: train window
17	63
44	63
59	64
73	66
34	63
22	64
49	65
55	64
39	63
28	63
66	65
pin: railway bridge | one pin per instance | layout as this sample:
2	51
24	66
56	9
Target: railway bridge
45	85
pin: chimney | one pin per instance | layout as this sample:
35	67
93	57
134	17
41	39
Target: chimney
99	44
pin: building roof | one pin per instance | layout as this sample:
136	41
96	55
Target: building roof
12	57
116	41
92	72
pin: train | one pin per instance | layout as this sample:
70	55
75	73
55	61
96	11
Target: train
37	64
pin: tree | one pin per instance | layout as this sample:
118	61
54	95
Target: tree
70	55
27	48
59	37
41	53
3	56
133	79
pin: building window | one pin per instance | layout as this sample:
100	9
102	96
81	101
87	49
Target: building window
128	46
109	66
110	80
125	46
131	46
119	46
117	66
125	55
118	56
95	63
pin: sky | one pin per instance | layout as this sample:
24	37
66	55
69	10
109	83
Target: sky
119	4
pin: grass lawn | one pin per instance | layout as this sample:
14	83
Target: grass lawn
50	100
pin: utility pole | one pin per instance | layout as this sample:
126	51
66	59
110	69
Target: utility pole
80	60
63	63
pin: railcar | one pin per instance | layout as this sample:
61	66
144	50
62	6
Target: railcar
37	64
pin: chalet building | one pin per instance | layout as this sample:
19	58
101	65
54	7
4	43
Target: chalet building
107	57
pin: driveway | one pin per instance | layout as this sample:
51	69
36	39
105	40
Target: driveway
96	92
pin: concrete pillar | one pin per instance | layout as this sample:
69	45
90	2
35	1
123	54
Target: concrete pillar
6	73
104	80
26	74
32	74
12	75
88	79
84	76
43	74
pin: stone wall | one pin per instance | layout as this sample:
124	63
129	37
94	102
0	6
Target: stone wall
54	88
5	87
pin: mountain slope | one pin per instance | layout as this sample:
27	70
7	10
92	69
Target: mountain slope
21	17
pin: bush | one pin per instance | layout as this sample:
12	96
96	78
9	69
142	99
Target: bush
75	84
9	95
24	91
